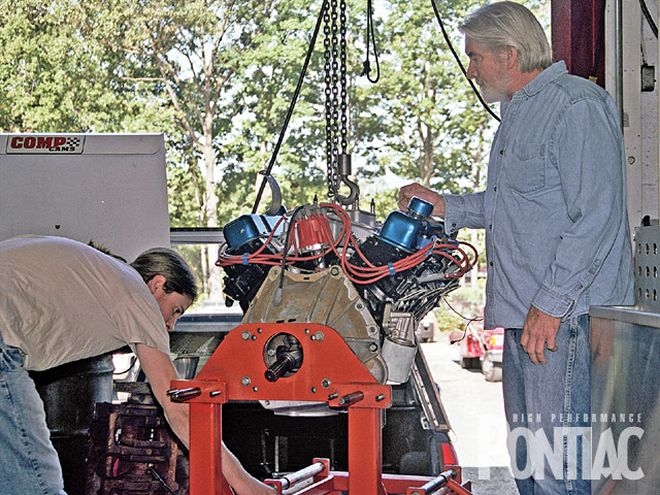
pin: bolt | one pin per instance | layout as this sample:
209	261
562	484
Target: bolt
334	271
373	347
246	381
325	382
185	394
254	337
313	390
259	330
271	352
333	396
215	393
359	306
318	336
631	160
246	335
380	397
307	331
351	398
255	389
177	391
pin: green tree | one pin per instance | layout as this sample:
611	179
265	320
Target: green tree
428	127
189	53
217	76
272	68
269	73
54	79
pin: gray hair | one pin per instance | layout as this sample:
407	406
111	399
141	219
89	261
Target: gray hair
503	24
171	265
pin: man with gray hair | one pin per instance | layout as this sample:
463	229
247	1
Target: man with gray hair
61	301
557	237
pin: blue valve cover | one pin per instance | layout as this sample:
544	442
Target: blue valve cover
248	227
401	230
406	230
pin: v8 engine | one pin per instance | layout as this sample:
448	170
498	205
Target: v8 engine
323	263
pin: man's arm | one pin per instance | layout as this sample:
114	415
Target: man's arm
160	371
588	155
589	160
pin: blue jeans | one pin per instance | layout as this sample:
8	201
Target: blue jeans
547	409
29	464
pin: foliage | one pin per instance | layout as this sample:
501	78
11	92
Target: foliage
448	320
217	78
52	80
427	124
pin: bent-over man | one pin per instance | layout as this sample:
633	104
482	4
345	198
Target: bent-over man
61	301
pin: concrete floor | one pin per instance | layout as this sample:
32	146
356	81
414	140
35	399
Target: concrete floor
476	413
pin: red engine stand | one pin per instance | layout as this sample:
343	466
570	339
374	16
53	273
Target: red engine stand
329	373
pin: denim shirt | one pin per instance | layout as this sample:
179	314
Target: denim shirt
554	208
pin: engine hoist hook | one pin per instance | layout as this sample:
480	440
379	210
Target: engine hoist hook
345	169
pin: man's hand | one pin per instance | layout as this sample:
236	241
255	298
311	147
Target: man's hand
406	193
539	329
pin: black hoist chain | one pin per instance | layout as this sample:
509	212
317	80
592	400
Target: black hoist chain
336	106
330	155
334	117
342	72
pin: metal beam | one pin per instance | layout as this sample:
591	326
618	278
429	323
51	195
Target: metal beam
578	37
